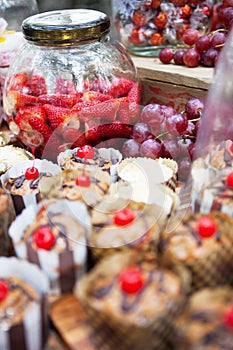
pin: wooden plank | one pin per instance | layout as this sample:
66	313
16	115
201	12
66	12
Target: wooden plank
153	69
70	320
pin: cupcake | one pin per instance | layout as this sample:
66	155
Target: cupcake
144	191
89	185
119	224
131	302
11	155
52	235
207	321
7	215
23	306
87	156
203	244
154	171
21	181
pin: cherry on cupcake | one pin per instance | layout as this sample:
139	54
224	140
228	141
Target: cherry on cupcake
43	237
206	227
31	173
123	217
3	290
229	180
131	280
86	152
83	180
228	317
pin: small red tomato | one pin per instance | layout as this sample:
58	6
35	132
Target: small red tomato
161	20
139	19
156	39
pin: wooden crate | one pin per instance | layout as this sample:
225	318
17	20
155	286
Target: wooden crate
171	84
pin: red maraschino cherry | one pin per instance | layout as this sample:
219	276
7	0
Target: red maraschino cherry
131	280
83	180
229	180
44	238
123	217
206	227
31	173
3	290
228	317
86	152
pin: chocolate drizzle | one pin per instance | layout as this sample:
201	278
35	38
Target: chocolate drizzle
96	160
19	180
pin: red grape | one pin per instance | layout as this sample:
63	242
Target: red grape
184	167
191	58
130	148
203	43
140	132
171	148
166	55
194	108
152	114
218	40
151	149
179	57
190	36
209	57
176	124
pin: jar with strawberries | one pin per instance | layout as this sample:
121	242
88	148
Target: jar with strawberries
146	26
70	84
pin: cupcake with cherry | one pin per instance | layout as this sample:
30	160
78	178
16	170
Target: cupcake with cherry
52	235
120	224
207	321
131	301
105	159
203	244
21	181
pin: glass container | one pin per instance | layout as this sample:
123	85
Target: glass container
67	77
146	26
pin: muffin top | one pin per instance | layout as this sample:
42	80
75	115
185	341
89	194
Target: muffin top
53	230
206	322
117	221
16	298
196	236
130	290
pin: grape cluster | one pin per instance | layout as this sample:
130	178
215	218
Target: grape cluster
199	49
162	131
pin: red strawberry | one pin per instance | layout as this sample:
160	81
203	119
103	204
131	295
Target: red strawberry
17	82
74	137
37	85
60	117
123	110
120	87
101	85
96	96
41	127
16	100
23	115
105	110
60	100
64	86
134	101
108	131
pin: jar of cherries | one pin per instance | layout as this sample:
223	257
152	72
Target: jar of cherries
146	26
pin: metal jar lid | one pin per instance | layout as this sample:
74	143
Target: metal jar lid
66	27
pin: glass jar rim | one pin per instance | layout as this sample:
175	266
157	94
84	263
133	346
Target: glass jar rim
66	27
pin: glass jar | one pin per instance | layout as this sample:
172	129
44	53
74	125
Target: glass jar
69	76
146	26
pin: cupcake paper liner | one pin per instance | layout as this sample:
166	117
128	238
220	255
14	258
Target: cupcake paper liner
21	202
111	154
32	332
110	333
63	268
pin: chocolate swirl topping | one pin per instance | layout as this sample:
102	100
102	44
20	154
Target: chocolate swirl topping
19	180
